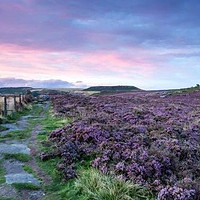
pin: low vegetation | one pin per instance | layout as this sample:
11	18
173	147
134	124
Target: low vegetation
92	184
27	186
16	135
2	173
2	128
16	115
144	138
112	88
19	156
14	90
61	189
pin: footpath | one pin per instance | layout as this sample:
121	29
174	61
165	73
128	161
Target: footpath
19	171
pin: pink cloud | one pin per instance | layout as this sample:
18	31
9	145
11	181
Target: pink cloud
28	63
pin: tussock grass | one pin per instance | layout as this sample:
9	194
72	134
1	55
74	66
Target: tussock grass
19	156
93	185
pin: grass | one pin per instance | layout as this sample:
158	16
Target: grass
16	135
19	134
4	198
37	110
25	186
185	90
92	184
29	170
2	173
19	156
16	116
51	122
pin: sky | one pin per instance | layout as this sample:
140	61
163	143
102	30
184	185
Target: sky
151	44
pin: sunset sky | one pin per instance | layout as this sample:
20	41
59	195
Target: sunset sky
151	44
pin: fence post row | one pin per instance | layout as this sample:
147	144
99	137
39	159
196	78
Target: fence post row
18	104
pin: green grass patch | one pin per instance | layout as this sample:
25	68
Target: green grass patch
51	122
29	170
19	156
52	189
37	110
42	136
4	198
16	115
16	135
25	186
2	173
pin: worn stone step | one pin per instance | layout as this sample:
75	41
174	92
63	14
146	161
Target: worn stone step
7	191
21	178
14	148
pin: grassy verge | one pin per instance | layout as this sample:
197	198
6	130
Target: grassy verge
19	156
50	123
2	174
4	198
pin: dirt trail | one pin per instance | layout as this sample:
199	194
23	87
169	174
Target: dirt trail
14	169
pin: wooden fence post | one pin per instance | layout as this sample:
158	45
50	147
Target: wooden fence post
5	107
20	100
15	103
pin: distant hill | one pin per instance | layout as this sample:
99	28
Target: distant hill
118	88
14	90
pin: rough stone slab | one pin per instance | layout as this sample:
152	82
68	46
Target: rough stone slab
22	141
21	178
7	191
32	195
13	166
21	125
14	127
14	148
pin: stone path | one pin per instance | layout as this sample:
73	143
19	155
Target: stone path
14	172
21	125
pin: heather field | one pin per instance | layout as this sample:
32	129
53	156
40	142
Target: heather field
145	138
